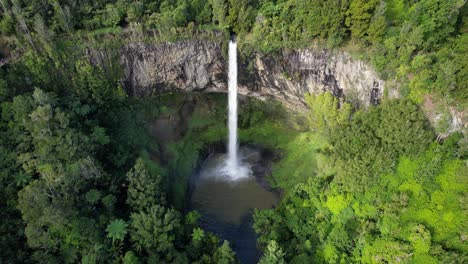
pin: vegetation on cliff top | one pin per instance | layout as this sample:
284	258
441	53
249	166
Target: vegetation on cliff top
420	43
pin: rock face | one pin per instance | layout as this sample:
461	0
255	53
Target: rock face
292	74
186	66
199	66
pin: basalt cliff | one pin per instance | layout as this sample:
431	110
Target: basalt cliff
199	66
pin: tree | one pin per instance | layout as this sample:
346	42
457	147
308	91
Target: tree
241	15
4	91
155	230
7	24
95	88
43	33
273	255
180	13
219	12
93	196
130	258
333	21
388	251
224	254
116	230
327	111
197	235
378	24
144	189
368	145
45	218
18	13
62	16
201	11
435	19
359	16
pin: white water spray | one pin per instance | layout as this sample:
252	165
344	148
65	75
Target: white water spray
233	168
232	161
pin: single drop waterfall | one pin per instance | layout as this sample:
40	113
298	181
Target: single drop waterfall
234	169
232	161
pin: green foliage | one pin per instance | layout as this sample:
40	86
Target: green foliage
327	112
295	23
359	16
197	235
62	144
411	208
93	196
4	91
292	169
219	12
93	86
386	251
144	189
241	15
110	16
391	33
273	254
7	25
130	258
365	187
155	230
268	224
117	230
366	146
224	254
336	204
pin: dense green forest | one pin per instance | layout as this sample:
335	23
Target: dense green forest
79	183
382	192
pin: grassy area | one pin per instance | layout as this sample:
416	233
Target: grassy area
301	160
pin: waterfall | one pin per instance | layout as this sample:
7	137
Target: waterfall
233	168
232	160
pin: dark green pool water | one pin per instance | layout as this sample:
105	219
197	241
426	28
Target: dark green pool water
227	206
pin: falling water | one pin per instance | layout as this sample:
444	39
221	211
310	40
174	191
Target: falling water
232	161
234	168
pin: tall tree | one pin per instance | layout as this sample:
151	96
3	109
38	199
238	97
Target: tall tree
359	16
155	231
145	189
273	255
